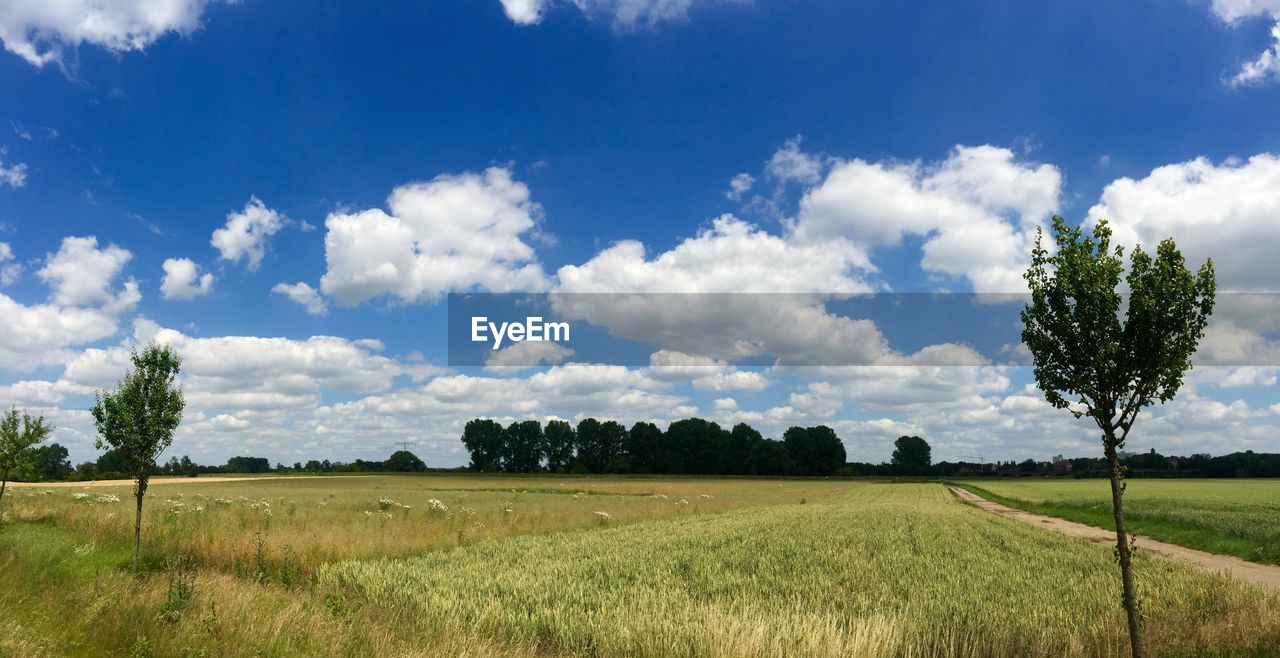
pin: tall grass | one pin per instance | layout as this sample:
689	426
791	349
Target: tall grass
885	570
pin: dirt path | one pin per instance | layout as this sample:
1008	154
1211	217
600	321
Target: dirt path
215	479
1251	572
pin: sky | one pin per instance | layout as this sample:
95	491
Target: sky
288	192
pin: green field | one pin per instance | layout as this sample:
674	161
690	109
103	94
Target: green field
592	566
1232	517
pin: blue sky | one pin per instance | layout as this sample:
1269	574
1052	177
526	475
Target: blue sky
905	147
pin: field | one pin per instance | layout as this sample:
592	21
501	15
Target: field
592	566
1233	517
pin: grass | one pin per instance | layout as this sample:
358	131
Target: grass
1231	517
884	570
757	567
294	525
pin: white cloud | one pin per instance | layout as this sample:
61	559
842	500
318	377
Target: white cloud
248	233
9	272
40	334
38	30
81	274
1265	68
304	295
739	185
182	280
791	163
14	176
731	256
524	12
456	232
622	14
977	211
233	373
1227	212
527	354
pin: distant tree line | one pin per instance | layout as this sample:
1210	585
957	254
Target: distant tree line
658	452
693	446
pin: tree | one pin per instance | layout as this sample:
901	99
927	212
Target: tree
742	438
701	443
18	433
138	419
1090	361
589	446
403	461
557	445
483	439
769	457
50	462
643	442
248	465
912	455
815	450
613	441
522	447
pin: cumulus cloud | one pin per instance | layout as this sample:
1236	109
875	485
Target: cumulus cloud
1226	211
304	295
977	211
9	271
233	373
14	175
182	280
247	234
1265	68
791	163
528	354
456	232
81	274
39	30
524	12
41	334
739	185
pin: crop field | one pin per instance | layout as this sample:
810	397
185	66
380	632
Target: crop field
590	566
1232	517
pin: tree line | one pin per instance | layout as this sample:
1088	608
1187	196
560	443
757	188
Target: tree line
693	446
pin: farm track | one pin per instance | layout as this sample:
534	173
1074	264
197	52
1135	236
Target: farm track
1243	570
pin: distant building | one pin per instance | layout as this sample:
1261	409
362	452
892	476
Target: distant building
1061	464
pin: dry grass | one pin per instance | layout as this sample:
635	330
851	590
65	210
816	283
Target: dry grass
305	522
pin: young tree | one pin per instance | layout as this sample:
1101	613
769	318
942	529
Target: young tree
1094	363
18	433
138	419
912	455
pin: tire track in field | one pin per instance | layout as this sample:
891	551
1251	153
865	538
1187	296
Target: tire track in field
1250	572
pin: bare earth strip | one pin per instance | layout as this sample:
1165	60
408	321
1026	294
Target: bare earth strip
1251	572
168	480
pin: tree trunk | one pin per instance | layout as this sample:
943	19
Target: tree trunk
1123	552
4	483
137	528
